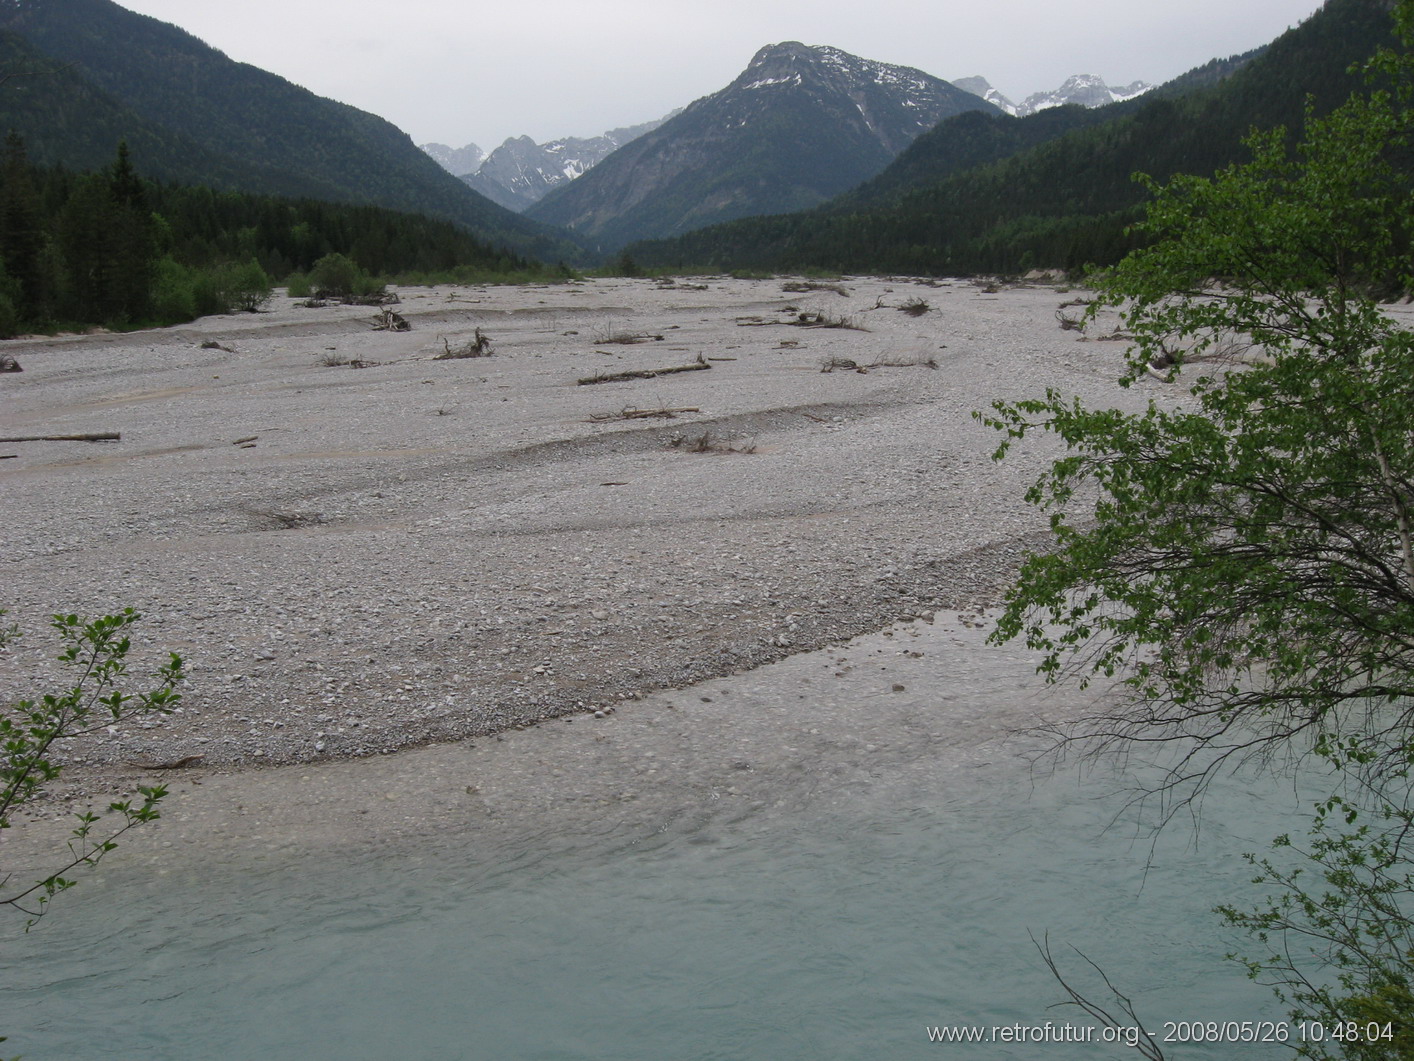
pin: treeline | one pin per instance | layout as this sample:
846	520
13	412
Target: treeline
111	248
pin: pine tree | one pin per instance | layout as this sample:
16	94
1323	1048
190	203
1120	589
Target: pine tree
22	235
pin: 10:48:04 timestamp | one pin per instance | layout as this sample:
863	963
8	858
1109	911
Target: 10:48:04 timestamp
1248	1031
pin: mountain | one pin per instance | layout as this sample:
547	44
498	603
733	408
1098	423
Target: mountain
210	120
520	172
980	86
455	160
799	125
1086	90
1054	189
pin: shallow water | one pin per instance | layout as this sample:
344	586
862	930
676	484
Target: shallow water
801	933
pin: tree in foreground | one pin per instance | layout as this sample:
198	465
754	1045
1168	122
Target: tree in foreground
95	655
1241	560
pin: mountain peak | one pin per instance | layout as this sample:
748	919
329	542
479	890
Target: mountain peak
786	50
798	125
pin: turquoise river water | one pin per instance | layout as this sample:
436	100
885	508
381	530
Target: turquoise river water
775	934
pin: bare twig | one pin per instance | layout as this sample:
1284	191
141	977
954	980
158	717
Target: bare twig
1131	1033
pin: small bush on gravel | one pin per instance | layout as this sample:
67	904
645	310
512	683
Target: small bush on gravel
337	276
245	286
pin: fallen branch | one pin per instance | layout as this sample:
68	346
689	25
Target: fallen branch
799	287
830	364
700	365
96	437
905	362
175	764
644	414
804	318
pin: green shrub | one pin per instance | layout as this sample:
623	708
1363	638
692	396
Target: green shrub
298	286
245	286
173	293
338	276
206	290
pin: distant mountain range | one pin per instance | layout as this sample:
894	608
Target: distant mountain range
520	172
1086	90
798	125
91	73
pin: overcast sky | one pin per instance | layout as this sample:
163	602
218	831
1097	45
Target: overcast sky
466	71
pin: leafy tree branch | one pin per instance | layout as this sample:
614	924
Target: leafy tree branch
95	653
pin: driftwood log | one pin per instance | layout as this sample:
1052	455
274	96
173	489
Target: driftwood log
175	764
700	365
95	437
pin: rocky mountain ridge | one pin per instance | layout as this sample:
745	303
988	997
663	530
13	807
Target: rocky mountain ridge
520	172
1087	90
456	160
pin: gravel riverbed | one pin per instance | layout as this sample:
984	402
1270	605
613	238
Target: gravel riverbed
354	560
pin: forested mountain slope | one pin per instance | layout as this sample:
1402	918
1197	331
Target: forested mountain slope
203	116
1065	202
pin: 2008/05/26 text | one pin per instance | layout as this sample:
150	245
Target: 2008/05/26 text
1182	1031
1265	1031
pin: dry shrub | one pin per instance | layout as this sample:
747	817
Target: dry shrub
705	443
